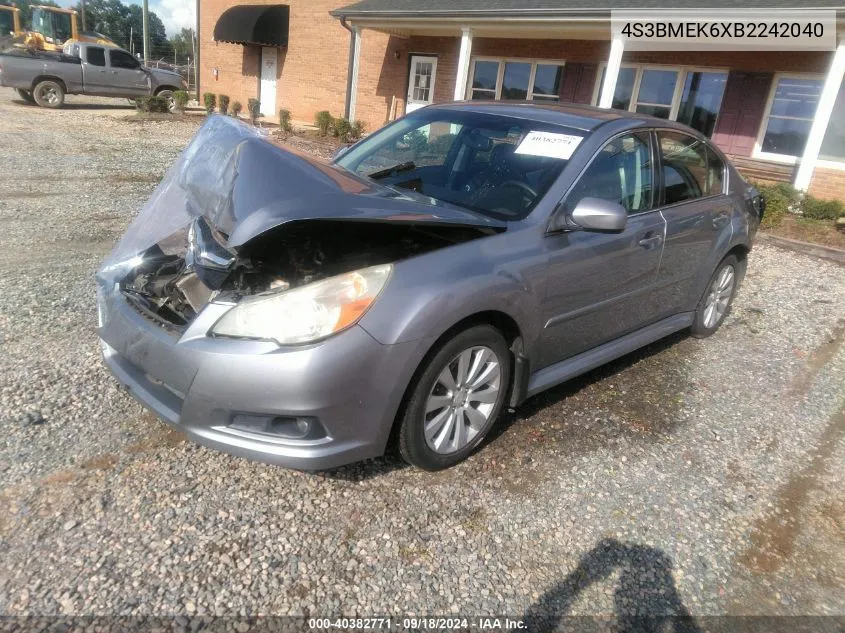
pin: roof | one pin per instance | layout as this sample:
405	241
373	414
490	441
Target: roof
500	8
581	117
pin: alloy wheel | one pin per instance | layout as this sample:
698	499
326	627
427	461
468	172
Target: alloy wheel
719	297
462	400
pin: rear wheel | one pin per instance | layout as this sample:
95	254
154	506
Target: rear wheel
49	94
26	95
715	305
456	399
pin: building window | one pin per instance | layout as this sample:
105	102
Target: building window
515	79
655	90
793	106
833	145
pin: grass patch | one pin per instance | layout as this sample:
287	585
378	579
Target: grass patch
807	230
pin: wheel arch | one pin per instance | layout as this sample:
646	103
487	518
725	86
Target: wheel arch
41	78
160	89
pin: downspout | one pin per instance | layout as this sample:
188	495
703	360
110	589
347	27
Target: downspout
347	106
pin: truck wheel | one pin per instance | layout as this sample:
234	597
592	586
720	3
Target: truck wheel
49	94
26	95
167	95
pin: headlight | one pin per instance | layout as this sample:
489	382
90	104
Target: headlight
306	313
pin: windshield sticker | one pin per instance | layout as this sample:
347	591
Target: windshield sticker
549	144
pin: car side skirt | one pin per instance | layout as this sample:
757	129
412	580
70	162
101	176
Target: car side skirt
584	362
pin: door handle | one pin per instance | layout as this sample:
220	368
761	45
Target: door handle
650	242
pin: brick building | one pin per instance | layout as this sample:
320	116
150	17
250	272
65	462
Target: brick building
781	116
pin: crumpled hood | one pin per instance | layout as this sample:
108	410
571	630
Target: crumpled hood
244	185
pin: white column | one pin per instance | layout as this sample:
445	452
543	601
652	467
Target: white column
611	73
826	102
463	64
356	63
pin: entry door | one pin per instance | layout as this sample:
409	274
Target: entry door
269	70
742	111
126	78
421	82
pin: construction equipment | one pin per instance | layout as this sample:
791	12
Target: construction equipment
10	21
52	27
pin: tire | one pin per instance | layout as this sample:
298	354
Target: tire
49	94
26	95
457	423
716	302
171	100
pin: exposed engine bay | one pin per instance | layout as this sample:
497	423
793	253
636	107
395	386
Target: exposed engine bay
175	278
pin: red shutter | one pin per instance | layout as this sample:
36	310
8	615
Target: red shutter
578	82
742	110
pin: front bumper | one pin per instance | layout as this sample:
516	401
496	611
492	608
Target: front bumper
350	383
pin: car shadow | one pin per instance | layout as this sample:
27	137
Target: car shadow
392	462
97	106
645	597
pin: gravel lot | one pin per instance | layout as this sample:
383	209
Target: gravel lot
696	476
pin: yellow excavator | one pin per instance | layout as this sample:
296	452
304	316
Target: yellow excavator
53	27
10	23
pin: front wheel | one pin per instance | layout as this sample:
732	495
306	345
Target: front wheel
716	303
456	399
167	95
49	94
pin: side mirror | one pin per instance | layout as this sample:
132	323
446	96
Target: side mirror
340	151
597	214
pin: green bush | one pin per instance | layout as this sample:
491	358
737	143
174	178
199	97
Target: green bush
223	104
324	122
181	98
151	104
236	109
254	108
284	120
781	198
210	101
341	128
816	209
357	130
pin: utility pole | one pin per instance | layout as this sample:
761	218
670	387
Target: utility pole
131	42
146	11
82	14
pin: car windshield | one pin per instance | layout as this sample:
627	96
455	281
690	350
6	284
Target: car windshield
499	166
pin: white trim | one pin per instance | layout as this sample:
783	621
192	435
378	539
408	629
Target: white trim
356	64
827	99
463	64
500	73
614	62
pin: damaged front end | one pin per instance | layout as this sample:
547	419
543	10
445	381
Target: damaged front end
240	221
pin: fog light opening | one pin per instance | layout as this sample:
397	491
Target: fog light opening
287	427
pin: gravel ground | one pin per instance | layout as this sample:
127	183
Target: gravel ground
700	477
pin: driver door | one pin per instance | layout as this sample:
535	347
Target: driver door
598	284
126	78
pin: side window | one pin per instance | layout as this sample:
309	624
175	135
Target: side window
621	172
715	173
121	59
685	175
96	56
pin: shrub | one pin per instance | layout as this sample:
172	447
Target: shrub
181	98
416	140
816	209
151	104
357	131
254	108
781	198
210	100
324	122
223	104
284	120
341	128
236	109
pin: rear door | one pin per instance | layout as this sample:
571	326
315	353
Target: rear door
598	284
95	72
697	213
127	78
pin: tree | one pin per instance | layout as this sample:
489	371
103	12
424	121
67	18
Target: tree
125	25
183	43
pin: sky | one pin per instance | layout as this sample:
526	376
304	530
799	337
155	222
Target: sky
176	14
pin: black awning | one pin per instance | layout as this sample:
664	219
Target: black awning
265	24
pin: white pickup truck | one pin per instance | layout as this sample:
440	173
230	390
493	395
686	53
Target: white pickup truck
89	69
